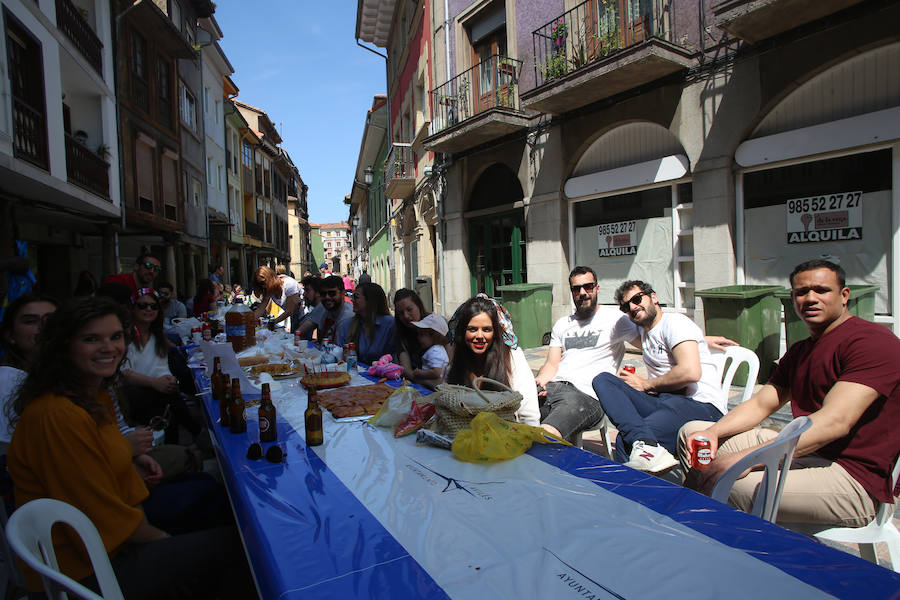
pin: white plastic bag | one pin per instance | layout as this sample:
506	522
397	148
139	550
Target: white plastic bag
396	408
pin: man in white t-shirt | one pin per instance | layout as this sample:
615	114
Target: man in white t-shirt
682	383
583	344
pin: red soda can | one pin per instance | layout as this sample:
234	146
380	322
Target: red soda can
206	332
702	453
298	339
196	335
630	369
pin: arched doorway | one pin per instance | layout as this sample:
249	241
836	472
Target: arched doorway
496	239
631	212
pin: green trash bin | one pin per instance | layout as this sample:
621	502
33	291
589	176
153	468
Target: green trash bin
861	304
751	316
529	306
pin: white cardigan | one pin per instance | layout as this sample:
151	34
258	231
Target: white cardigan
522	380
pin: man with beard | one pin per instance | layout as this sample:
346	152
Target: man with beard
146	268
331	311
588	342
682	384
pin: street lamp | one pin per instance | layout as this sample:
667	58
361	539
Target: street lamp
369	175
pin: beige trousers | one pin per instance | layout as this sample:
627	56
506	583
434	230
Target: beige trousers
817	490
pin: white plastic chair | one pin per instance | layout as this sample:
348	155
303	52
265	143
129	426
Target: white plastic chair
738	356
776	457
28	532
881	529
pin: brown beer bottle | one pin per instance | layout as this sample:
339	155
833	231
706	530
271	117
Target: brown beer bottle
236	414
224	399
215	378
268	431
313	418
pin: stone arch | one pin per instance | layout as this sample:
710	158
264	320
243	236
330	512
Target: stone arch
497	185
821	96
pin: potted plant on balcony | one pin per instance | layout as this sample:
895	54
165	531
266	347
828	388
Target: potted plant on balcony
558	33
103	151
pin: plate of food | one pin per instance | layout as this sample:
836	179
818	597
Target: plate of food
355	401
276	370
328	379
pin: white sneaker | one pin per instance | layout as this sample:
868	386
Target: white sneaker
654	459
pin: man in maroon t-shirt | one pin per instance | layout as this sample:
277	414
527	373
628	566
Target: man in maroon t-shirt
146	268
845	376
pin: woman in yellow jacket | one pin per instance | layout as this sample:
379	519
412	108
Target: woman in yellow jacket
67	446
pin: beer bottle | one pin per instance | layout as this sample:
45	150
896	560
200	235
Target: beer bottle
268	431
236	416
224	399
313	418
214	378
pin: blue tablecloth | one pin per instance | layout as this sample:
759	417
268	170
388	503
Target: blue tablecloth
307	535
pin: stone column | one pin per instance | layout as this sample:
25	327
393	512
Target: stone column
170	266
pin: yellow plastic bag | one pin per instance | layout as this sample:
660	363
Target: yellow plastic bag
491	439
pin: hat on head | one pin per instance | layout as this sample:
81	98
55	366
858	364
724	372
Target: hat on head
433	321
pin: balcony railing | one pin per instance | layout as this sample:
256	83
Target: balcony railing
29	134
77	29
253	230
400	171
596	29
85	169
492	83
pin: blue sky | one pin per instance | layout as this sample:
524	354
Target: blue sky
298	60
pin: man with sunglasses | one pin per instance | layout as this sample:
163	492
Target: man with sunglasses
146	268
583	344
682	385
331	311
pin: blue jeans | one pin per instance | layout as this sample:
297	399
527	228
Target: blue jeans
641	416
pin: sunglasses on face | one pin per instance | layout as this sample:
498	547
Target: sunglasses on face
163	293
151	267
331	293
147	305
636	299
274	454
588	287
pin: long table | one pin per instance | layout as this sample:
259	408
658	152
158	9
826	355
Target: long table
368	516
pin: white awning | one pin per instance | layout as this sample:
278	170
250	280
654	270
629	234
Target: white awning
653	171
872	128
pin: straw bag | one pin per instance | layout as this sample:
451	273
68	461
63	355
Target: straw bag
457	405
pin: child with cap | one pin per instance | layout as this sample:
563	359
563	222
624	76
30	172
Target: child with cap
432	337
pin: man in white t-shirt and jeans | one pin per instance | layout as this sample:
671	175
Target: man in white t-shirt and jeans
682	383
583	344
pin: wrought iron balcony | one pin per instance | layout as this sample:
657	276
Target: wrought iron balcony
86	169
601	48
400	171
73	24
30	134
253	230
478	105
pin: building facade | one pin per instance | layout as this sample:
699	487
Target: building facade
688	144
59	185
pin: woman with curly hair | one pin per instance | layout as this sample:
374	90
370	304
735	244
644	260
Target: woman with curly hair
273	290
479	351
371	329
67	446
